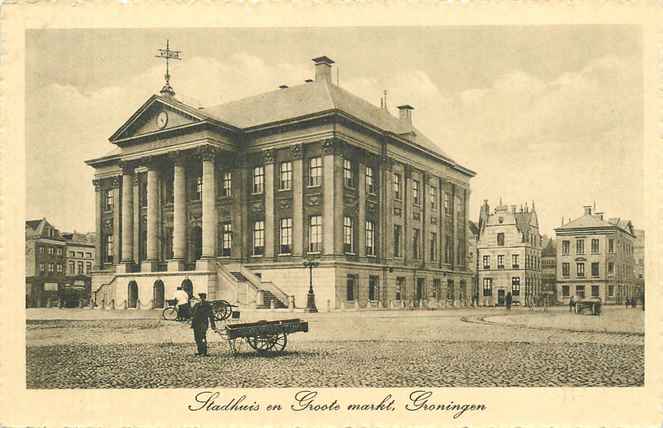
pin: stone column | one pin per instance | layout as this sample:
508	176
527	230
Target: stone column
361	212
329	201
127	218
386	228
268	160
115	183
208	157
136	218
179	214
152	215
98	200
296	152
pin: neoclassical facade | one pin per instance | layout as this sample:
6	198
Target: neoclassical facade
231	199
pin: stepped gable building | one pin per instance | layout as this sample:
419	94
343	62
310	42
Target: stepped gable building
231	199
509	253
45	261
595	258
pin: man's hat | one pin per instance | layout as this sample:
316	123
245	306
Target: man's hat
202	295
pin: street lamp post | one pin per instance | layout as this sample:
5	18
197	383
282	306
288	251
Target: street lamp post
310	297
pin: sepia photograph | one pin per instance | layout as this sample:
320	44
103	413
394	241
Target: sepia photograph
322	207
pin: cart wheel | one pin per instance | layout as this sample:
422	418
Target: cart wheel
235	345
261	343
280	342
170	313
222	310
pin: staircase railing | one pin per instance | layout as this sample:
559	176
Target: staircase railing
279	294
241	288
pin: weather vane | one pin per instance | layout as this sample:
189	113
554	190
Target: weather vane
167	54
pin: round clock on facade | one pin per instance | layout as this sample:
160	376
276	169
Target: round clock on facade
162	120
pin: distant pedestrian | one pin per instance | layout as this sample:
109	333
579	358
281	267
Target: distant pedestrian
572	303
509	301
628	302
643	301
202	317
634	302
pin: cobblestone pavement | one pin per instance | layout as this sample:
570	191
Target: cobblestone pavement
370	349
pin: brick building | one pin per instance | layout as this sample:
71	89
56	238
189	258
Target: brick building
231	199
549	269
509	252
44	264
80	253
595	258
639	260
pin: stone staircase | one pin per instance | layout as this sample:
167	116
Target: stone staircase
250	290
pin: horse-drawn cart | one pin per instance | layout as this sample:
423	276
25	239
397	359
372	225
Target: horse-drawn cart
263	336
593	305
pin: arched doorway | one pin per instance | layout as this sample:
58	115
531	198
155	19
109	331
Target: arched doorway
158	294
187	286
197	242
132	295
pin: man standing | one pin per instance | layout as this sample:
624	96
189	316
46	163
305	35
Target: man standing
509	301
202	316
182	304
572	303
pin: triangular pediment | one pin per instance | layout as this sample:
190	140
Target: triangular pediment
156	115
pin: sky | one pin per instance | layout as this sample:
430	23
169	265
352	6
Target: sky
550	114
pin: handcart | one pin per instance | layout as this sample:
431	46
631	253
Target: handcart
263	336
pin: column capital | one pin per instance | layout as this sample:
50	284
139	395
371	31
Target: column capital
296	151
206	153
98	185
268	156
114	181
179	157
387	163
331	146
128	167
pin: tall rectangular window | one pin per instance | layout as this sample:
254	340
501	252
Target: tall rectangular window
109	248
400	288
286	235
109	199
611	268
447	205
500	239
315	171
50	267
611	291
433	197
315	234
433	246
227	240
486	262
514	261
487	287
348	235
515	286
258	238
350	287
227	184
72	268
397	240
370	238
580	291
397	186
595	291
258	179
348	177
500	261
42	267
80	268
88	267
611	246
580	246
370	183
416	243
566	248
595	269
566	269
285	183
416	197
595	246
373	288
565	291
580	269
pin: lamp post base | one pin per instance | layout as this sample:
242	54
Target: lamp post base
310	302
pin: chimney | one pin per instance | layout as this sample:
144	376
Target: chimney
588	209
600	215
405	113
323	69
283	87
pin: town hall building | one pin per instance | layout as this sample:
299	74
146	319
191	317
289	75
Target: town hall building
232	199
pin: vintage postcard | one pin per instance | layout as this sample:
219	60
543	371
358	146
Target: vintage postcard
320	215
